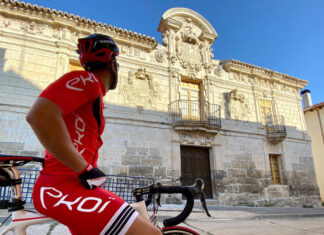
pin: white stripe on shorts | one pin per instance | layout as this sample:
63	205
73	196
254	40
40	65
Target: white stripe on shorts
121	221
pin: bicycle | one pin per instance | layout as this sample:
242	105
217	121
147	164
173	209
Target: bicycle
21	218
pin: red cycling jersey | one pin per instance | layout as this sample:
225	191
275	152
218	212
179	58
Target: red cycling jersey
58	192
79	94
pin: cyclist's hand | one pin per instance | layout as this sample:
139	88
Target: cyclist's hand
92	177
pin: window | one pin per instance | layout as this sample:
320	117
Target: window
275	169
190	96
75	65
266	112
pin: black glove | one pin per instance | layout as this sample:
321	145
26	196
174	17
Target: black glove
92	177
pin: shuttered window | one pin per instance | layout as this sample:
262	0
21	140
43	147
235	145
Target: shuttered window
265	112
190	95
275	168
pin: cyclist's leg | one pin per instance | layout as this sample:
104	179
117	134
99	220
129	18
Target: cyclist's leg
142	226
84	211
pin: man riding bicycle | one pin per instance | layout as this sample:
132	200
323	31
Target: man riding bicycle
68	120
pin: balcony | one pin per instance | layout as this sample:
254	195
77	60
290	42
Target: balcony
276	129
196	115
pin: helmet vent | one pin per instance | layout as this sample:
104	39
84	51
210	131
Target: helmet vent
87	45
101	54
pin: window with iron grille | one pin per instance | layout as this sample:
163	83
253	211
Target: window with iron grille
190	94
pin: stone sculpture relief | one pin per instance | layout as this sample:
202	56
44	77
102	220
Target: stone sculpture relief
4	22
159	56
139	89
196	138
236	106
217	70
187	48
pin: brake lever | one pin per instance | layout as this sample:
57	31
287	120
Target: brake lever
203	203
148	200
158	199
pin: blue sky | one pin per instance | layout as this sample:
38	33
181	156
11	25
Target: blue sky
282	35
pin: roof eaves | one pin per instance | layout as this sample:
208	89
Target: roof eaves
251	67
316	106
22	4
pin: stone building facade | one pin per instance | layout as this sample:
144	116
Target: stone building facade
177	113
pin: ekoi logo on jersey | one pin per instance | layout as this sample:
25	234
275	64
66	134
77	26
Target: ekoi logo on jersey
79	131
80	204
78	83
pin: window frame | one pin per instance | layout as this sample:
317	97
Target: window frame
275	168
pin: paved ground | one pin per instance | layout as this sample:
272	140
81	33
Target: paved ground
230	221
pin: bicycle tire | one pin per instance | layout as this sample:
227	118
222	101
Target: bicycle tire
178	230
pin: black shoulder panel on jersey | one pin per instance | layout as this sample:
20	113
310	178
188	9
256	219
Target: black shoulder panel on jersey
96	111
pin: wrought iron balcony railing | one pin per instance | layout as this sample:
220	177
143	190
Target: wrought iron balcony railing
195	113
276	128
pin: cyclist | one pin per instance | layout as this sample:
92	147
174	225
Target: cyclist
68	120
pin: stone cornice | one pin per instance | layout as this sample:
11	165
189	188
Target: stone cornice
259	72
79	24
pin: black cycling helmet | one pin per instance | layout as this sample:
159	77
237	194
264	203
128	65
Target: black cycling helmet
98	51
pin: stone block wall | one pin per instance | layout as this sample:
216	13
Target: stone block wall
138	140
136	150
242	174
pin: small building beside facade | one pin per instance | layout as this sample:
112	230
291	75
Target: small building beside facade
177	113
314	116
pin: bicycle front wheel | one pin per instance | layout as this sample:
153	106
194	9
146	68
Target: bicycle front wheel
178	230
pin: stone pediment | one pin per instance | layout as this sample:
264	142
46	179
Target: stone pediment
188	37
176	17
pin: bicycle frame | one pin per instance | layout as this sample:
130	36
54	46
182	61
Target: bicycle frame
21	219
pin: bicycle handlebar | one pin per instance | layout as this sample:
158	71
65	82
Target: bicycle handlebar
188	191
185	191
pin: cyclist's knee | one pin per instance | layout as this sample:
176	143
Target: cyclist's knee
142	226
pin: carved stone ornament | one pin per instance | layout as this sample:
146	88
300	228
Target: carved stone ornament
173	60
139	89
188	48
165	40
4	22
187	34
236	106
160	56
196	138
217	70
31	27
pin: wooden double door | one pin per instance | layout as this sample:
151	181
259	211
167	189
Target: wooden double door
195	163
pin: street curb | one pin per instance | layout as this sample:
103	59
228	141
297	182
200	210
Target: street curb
285	216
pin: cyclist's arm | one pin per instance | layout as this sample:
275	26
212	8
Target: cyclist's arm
46	119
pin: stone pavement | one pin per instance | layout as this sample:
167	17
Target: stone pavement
228	220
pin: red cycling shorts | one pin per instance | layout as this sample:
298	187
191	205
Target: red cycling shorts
83	211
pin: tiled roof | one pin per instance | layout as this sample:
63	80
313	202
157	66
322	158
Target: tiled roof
77	18
319	105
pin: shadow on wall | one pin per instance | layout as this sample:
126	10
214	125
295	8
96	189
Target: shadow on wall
16	96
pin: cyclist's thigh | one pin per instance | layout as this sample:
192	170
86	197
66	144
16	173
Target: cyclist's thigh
96	211
141	226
